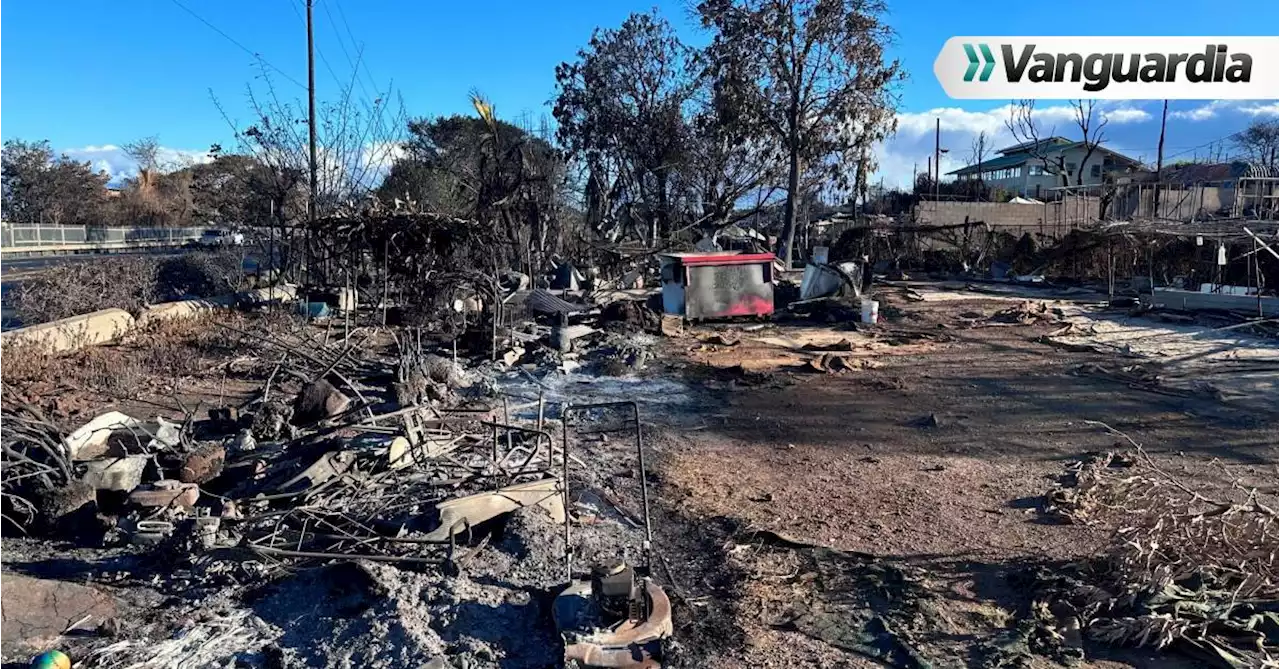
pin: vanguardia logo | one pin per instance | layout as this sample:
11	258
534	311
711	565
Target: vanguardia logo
1099	69
1110	67
974	62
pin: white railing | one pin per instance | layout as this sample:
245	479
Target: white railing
24	237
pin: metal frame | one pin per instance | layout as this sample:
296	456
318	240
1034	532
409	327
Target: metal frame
644	483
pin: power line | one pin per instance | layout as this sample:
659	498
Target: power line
355	69
363	63
336	79
244	48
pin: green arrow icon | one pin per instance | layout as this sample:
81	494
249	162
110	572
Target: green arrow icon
987	58
973	62
991	63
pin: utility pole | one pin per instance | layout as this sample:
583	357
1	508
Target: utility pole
1155	204
311	132
937	155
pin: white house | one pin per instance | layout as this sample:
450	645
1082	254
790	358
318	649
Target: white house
1022	168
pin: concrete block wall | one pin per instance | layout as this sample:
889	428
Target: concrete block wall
1054	218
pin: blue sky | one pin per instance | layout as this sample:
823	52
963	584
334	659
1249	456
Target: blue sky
90	76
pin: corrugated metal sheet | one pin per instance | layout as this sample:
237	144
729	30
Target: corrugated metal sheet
543	302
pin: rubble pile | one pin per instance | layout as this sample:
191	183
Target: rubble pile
396	500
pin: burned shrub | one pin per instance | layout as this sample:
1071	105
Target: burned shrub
129	283
200	275
84	287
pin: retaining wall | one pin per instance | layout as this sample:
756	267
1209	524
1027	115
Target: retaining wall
73	333
107	325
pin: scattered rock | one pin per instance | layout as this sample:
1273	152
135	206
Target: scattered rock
37	611
317	401
63	507
122	474
722	339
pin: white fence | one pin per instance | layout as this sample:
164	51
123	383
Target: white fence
20	237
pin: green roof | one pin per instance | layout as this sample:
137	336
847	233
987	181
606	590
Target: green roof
1001	162
997	163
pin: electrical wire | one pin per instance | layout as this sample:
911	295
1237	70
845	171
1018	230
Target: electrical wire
363	63
244	48
355	69
293	4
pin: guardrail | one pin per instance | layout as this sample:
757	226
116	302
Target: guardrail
86	238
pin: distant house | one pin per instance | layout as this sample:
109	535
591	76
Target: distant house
1021	168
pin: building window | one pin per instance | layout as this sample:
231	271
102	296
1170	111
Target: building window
1095	171
1002	175
1036	170
1071	169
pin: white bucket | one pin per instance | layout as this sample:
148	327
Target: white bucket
870	311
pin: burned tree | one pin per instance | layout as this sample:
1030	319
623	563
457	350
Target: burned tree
621	111
483	168
1091	135
1259	142
666	145
812	76
357	140
1024	127
978	152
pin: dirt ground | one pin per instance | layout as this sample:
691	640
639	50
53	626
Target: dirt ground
934	455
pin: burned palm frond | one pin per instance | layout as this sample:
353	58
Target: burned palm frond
1186	569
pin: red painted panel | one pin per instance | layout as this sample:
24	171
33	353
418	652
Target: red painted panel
746	259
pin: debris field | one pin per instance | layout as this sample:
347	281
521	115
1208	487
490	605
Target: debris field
986	474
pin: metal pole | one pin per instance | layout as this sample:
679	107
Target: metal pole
385	297
1253	267
311	132
506	420
644	489
937	156
1111	271
564	481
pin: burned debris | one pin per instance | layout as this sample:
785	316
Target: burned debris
372	447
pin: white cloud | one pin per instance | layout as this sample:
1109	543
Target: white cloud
113	160
1127	115
380	155
989	121
1202	113
1260	109
1212	110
